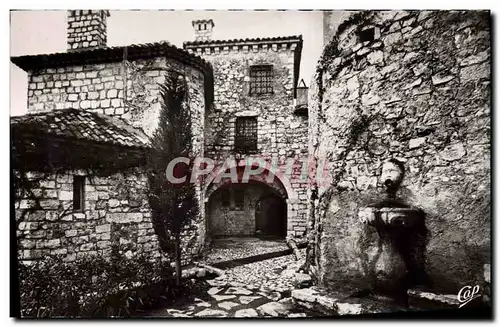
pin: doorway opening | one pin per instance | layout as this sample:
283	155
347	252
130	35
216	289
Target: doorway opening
270	217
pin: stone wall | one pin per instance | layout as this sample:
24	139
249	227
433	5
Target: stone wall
418	92
231	221
281	133
128	89
116	212
86	28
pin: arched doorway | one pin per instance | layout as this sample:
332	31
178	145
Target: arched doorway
270	217
243	208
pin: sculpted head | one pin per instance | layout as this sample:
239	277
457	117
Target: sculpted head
392	174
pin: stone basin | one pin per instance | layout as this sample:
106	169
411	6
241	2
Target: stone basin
389	216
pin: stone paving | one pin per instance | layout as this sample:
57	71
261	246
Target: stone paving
258	289
231	248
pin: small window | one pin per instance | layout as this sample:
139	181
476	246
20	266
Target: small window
367	35
261	80
225	198
245	140
78	193
239	199
205	26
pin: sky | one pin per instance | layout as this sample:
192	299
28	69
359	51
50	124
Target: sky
38	32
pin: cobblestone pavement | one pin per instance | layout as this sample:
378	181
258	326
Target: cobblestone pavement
231	248
258	289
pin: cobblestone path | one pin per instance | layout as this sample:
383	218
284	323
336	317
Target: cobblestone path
258	289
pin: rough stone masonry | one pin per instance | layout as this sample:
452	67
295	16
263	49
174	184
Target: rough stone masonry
415	86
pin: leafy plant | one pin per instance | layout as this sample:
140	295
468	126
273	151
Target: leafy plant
93	286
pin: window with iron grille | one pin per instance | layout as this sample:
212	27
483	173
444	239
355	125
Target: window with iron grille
245	140
261	80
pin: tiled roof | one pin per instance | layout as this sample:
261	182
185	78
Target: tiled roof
80	125
87	56
297	38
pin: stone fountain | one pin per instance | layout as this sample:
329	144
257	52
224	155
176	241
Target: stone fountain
402	232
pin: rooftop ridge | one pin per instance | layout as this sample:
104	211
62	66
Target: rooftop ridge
291	38
106	54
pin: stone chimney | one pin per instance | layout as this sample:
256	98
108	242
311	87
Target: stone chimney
86	29
203	29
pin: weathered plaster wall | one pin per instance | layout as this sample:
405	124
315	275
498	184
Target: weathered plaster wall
281	133
116	212
419	92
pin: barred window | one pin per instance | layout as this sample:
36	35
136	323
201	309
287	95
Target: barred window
245	140
261	80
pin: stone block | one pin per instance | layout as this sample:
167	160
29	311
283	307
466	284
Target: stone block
113	203
65	195
49	204
103	244
440	79
125	217
375	58
116	103
61	251
474	59
475	72
112	94
453	152
27	244
417	142
51	244
87	247
103	228
71	233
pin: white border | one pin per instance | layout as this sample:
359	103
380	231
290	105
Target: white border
198	4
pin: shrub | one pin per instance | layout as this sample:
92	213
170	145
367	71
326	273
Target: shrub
94	286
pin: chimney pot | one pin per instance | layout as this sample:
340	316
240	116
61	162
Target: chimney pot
203	29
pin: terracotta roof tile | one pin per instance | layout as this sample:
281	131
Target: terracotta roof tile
82	125
247	40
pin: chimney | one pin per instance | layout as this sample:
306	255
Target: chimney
86	29
203	29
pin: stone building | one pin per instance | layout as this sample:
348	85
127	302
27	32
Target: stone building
412	86
254	115
96	99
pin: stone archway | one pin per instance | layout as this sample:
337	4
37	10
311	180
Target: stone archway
231	208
